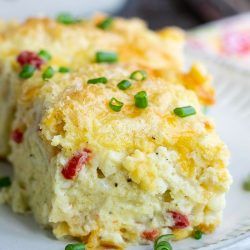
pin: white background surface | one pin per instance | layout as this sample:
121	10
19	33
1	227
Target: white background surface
19	9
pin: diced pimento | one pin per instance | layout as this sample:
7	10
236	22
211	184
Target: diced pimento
180	220
31	58
17	136
75	164
150	234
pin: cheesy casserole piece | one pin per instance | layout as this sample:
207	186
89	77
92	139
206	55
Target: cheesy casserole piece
160	53
116	176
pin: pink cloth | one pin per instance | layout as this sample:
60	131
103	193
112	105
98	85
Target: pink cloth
228	38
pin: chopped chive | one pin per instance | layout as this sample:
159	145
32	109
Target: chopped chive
106	23
185	111
246	184
5	182
161	243
77	246
164	245
115	105
27	71
64	70
141	100
48	73
164	237
106	57
98	80
197	234
139	75
124	84
66	18
44	55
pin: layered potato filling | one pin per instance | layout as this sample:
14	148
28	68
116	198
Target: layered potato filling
159	53
114	177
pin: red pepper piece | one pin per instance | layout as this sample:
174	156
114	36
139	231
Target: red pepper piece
28	57
180	220
150	234
75	164
17	136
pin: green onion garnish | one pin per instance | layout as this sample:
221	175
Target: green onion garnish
5	182
27	71
106	57
139	75
64	70
141	100
106	23
77	246
161	243
197	234
44	55
67	18
246	184
98	80
48	73
115	105
185	111
124	84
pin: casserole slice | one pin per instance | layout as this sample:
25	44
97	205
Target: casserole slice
114	166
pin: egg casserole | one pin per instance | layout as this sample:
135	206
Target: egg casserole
75	45
95	163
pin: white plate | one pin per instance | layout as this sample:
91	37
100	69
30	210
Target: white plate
21	9
232	116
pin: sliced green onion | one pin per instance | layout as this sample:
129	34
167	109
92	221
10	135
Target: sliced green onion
77	246
139	75
141	100
106	57
197	234
164	237
27	71
185	111
115	105
67	18
48	73
5	182
98	80
106	23
164	245
44	55
161	243
124	84
246	184
64	70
